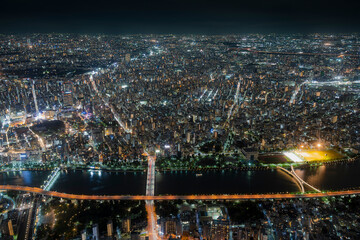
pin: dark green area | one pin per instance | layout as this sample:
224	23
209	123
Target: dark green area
72	217
202	161
246	211
166	209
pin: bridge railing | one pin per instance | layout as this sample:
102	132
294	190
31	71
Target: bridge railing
302	181
295	177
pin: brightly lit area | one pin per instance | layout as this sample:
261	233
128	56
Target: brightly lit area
313	155
319	155
293	157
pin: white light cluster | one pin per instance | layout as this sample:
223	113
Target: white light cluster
293	157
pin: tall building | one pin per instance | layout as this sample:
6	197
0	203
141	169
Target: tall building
67	95
170	227
126	225
220	230
67	99
11	230
109	228
83	235
28	41
127	57
96	235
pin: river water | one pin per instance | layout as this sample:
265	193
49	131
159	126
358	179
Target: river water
329	177
332	177
101	182
24	178
176	182
224	182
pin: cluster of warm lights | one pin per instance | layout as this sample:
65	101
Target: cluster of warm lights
302	146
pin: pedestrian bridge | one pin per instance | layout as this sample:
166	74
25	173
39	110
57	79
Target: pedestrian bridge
298	180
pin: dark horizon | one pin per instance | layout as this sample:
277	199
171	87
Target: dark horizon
178	17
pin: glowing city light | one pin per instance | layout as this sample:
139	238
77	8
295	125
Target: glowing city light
293	157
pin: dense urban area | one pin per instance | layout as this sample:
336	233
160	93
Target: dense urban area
145	105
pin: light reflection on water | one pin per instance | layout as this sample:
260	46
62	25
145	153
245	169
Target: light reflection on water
329	177
24	178
332	177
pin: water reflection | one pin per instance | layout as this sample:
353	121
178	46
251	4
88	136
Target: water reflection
332	177
329	177
223	182
24	178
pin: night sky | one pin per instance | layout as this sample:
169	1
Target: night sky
173	16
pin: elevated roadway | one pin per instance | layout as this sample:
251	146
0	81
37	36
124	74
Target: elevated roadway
150	192
181	197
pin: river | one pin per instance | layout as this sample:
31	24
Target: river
24	178
329	177
332	177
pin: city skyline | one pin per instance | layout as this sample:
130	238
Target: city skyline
192	120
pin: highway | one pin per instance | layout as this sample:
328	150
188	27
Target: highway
150	180
23	216
181	197
149	204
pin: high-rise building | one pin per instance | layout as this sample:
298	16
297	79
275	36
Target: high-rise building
96	235
83	235
220	230
110	229
126	225
67	99
67	95
11	230
28	41
170	227
127	57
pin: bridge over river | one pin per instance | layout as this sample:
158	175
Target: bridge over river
182	197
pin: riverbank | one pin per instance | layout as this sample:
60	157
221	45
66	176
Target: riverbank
252	167
26	169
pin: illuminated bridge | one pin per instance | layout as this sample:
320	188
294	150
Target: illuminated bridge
298	180
181	197
302	181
